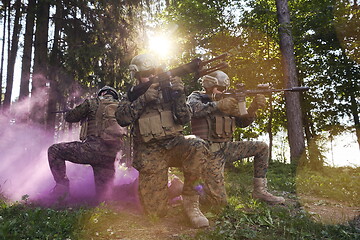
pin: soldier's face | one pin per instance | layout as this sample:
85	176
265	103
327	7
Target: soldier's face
218	89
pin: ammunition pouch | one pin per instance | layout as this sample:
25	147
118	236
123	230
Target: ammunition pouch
158	124
218	128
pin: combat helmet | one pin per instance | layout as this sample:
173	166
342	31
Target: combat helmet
144	63
109	90
217	78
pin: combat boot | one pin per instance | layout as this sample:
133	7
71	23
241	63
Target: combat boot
260	192
192	210
60	192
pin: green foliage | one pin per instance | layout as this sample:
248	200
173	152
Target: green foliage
20	221
341	184
245	218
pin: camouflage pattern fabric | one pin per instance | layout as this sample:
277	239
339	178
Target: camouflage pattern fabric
93	151
153	159
228	152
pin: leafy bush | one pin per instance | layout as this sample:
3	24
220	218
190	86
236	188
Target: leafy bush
21	221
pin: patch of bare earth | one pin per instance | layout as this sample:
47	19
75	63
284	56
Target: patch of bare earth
330	211
135	226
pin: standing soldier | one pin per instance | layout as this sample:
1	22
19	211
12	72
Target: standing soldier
215	122
101	138
159	142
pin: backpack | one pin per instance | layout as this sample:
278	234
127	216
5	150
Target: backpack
104	125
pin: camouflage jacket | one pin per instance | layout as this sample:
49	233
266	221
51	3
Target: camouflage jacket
86	110
128	113
202	106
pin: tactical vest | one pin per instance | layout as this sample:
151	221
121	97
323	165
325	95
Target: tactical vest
157	122
104	125
215	128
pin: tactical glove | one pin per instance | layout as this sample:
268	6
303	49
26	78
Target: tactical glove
177	84
258	102
227	105
152	93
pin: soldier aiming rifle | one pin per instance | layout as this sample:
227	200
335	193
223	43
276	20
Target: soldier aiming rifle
216	114
196	66
240	93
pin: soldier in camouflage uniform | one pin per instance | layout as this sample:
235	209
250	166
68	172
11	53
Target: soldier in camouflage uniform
95	149
159	143
215	122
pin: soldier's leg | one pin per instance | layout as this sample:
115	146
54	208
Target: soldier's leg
190	152
260	151
153	178
104	176
243	149
57	163
76	152
214	184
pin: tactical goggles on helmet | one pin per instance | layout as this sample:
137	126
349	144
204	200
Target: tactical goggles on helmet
109	92
145	74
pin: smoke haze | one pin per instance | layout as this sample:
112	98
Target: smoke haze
24	168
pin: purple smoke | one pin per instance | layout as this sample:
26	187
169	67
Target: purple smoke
24	168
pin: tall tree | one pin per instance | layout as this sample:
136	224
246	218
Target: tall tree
55	68
27	51
6	6
292	99
13	54
40	69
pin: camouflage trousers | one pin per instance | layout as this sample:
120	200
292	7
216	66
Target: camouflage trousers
153	160
93	152
229	152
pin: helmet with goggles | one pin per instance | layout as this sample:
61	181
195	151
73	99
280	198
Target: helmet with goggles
143	64
215	79
107	90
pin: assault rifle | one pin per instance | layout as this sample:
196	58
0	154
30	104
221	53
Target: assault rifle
240	93
61	111
196	66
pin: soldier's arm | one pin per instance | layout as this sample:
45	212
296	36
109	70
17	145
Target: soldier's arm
198	107
128	112
78	113
244	120
181	110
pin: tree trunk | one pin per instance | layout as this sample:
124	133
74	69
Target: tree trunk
12	55
27	52
271	137
54	73
40	72
6	5
292	99
354	110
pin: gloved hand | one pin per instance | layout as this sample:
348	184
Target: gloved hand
152	93
177	84
227	105
258	102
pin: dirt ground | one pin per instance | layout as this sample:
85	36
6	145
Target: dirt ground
329	211
134	226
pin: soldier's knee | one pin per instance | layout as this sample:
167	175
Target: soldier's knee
195	141
52	150
263	146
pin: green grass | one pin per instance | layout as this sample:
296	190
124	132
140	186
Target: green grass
243	218
246	218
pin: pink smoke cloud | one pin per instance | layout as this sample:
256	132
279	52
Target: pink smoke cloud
24	168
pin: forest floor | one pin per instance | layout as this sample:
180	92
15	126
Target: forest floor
130	225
